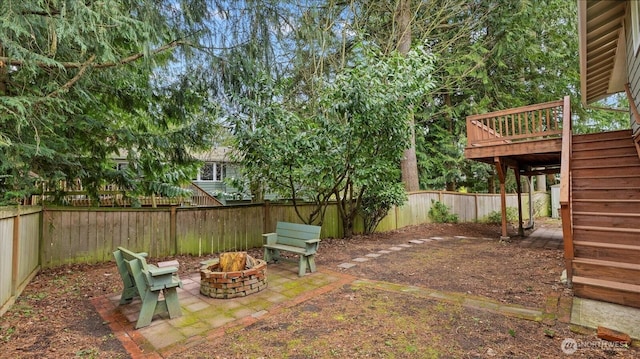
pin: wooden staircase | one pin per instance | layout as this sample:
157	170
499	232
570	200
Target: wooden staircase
605	207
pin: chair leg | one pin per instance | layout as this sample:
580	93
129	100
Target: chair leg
271	255
311	260
173	305
302	266
128	294
149	303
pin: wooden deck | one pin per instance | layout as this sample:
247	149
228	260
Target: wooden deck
528	138
599	189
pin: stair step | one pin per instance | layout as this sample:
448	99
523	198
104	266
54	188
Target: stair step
607	270
607	205
601	263
608	284
606	161
600	145
613	194
605	188
610	165
600	234
615	252
608	229
607	290
607	221
601	136
606	170
606	182
614	150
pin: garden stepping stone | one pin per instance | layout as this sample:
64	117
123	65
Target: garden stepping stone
346	265
384	251
405	245
360	259
396	248
416	241
373	255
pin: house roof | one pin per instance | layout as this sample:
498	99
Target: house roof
602	48
215	154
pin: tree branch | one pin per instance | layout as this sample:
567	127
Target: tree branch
76	65
75	79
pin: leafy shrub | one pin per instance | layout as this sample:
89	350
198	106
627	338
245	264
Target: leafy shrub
439	213
496	216
377	202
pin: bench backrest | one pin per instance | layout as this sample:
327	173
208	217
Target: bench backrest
128	255
139	274
295	234
137	268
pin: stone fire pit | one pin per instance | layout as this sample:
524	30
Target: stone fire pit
217	283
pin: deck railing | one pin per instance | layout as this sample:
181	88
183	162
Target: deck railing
112	195
201	197
525	123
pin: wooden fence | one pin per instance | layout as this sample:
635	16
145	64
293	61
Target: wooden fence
56	236
19	251
89	235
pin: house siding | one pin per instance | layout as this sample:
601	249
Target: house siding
216	187
633	71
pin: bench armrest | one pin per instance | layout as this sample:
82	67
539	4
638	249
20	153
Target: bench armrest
155	271
312	245
270	238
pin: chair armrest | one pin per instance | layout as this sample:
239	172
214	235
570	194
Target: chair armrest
312	245
155	271
270	238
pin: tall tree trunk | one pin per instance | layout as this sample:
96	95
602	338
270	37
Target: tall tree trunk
409	162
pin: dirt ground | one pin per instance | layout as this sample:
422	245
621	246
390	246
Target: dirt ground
54	318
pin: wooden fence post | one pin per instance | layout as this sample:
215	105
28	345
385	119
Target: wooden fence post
172	229
266	209
475	197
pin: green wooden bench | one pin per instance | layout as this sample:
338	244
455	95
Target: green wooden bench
147	281
301	239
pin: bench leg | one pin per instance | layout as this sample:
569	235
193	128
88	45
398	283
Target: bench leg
302	266
128	294
173	305
149	303
311	260
271	255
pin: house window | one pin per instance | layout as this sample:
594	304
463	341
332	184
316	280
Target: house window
206	172
635	24
212	171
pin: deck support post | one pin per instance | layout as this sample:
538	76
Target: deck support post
502	171
516	171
